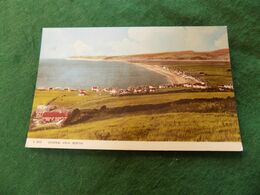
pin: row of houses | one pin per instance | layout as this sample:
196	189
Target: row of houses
136	90
128	91
225	87
196	85
154	89
146	88
56	88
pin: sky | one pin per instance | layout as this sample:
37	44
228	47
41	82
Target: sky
67	42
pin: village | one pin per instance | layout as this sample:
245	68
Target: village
144	89
51	115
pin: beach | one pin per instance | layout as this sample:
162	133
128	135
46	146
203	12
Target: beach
172	76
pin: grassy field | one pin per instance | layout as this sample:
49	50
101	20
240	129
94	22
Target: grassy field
43	97
154	127
96	100
213	74
206	120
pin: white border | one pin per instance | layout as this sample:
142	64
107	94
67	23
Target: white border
133	145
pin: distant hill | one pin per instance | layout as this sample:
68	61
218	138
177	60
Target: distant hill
221	54
217	55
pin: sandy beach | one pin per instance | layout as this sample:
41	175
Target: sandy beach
172	76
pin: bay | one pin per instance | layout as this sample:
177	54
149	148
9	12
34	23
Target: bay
85	74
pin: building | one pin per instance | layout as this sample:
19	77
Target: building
49	114
114	92
43	108
187	85
55	116
162	86
152	89
229	86
199	86
94	88
82	93
225	87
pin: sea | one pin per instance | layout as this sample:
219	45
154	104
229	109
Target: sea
81	74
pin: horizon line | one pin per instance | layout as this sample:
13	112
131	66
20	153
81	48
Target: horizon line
197	51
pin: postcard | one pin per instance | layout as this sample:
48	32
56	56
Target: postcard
135	88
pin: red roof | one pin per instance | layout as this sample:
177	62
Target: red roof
55	114
82	92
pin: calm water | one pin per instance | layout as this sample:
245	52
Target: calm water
85	74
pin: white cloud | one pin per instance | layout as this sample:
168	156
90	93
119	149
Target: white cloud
64	42
197	38
147	40
80	48
221	42
154	39
125	47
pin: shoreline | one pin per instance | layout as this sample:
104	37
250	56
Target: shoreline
173	77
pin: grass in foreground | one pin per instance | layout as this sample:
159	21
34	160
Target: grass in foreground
155	127
146	126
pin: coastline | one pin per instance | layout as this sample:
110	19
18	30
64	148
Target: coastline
173	77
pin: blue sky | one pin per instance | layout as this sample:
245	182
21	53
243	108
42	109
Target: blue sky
66	42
